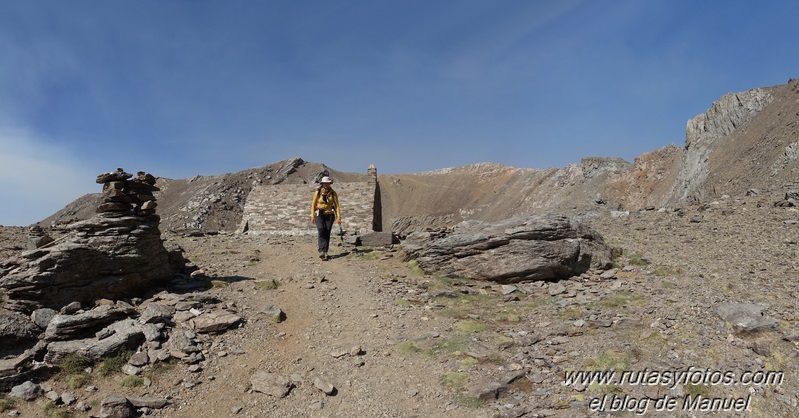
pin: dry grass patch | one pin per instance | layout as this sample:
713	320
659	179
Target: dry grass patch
455	381
409	347
51	410
6	404
610	360
73	369
113	364
267	284
132	382
469	326
219	284
619	299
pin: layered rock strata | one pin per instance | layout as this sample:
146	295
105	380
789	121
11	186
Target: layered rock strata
116	254
514	250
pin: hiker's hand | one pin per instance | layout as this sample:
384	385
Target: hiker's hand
339	221
313	220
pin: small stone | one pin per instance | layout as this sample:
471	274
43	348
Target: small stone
27	391
53	396
556	289
608	274
68	398
338	353
761	347
131	370
270	384
324	386
116	406
139	359
70	308
274	313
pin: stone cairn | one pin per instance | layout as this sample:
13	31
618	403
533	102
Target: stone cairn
37	238
123	194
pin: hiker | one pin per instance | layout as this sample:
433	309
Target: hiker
325	210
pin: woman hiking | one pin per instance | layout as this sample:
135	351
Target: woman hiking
324	211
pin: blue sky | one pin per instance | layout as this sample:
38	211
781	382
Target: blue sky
179	88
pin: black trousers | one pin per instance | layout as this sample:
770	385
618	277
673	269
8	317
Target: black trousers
324	224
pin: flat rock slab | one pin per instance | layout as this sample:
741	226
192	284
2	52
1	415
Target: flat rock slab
215	321
378	239
746	317
528	248
125	333
270	384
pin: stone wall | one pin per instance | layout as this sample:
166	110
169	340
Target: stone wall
286	208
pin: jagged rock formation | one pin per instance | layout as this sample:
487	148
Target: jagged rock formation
514	250
108	256
728	114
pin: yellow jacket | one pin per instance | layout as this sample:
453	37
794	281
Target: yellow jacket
326	201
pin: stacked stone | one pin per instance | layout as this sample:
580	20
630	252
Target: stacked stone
123	194
37	238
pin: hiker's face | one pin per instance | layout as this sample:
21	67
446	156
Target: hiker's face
326	185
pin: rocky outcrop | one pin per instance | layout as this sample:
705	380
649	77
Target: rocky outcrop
647	182
596	166
165	326
108	256
702	132
514	250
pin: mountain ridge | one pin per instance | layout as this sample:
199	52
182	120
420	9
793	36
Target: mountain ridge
747	140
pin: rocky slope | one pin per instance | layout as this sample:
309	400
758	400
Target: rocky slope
707	288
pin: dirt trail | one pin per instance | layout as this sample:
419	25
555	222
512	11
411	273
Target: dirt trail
340	327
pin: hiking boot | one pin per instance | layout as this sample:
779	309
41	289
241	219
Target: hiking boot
326	257
322	255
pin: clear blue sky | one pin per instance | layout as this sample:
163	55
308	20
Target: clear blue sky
178	88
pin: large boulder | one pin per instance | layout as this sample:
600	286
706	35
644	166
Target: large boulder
514	250
112	256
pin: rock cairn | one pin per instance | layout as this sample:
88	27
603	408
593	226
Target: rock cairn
123	194
37	238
